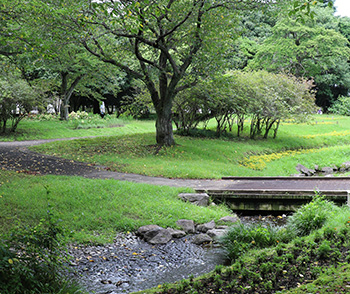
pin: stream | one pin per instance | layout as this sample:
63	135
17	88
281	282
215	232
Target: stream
129	264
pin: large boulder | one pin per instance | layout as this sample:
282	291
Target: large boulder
186	225
327	170
216	233
176	233
147	229
201	239
345	165
162	237
229	219
200	199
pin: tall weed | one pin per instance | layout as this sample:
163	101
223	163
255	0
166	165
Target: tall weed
32	259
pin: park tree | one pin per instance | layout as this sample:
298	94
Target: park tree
312	49
160	42
17	98
48	53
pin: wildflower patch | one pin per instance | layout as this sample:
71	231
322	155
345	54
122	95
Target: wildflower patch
258	162
331	134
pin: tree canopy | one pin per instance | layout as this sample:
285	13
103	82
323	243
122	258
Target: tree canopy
168	45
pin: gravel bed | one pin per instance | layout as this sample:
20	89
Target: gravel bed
130	264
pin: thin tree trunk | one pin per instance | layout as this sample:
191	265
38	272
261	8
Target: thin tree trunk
67	93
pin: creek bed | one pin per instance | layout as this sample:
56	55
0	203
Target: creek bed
130	264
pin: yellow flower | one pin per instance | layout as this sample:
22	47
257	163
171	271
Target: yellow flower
10	261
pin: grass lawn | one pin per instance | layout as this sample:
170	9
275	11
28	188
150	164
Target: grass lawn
32	129
322	142
93	210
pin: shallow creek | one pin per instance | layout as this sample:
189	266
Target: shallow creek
130	264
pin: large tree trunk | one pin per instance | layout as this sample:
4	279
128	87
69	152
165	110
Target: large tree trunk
164	126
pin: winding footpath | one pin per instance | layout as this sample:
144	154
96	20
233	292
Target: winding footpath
16	156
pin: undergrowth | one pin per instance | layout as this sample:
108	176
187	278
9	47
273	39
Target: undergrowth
32	258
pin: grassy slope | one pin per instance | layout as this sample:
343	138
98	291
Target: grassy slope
321	143
94	209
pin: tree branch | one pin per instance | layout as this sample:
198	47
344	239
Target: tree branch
102	57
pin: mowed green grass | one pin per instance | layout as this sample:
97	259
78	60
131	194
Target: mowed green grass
29	129
323	142
94	210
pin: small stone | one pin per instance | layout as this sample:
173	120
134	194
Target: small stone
206	227
229	219
186	225
201	239
304	170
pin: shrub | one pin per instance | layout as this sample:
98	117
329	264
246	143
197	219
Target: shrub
311	216
324	250
341	106
17	98
242	237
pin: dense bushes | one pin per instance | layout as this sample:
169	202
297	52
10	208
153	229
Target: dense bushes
341	106
263	97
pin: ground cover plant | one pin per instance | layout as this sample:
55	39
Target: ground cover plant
323	142
32	259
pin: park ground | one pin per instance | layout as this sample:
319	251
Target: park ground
88	207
